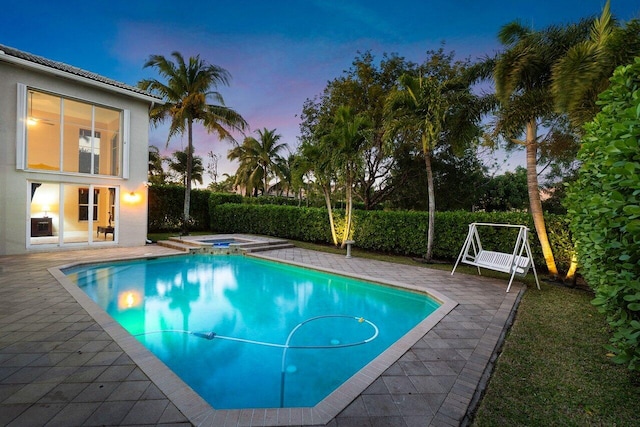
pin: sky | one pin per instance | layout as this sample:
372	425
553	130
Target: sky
278	52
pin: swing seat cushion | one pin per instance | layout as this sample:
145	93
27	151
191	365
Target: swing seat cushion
498	261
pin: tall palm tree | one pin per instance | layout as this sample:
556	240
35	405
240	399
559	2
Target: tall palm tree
259	158
249	173
190	96
522	76
269	158
179	162
346	141
418	106
584	72
434	110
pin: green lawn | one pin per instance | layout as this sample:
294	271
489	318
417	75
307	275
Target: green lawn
553	369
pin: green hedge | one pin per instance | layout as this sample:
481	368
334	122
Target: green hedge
397	232
166	204
604	203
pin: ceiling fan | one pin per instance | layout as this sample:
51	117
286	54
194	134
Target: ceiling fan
31	120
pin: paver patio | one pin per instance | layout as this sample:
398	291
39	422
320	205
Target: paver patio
60	366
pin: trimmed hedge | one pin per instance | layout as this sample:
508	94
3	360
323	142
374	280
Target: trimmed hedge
166	204
397	232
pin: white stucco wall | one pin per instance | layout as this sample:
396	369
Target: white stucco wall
14	191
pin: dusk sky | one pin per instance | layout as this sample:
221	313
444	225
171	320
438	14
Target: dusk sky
278	52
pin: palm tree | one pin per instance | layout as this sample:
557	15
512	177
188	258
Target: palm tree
259	158
316	158
249	173
178	164
346	140
584	72
419	107
522	76
269	156
190	95
434	110
157	175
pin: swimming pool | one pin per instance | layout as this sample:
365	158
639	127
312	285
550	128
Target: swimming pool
173	304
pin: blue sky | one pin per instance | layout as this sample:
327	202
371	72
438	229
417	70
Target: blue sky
278	52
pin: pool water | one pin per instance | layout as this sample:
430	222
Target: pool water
218	243
221	323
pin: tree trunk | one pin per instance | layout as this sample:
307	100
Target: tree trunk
535	203
349	196
187	187
327	199
432	205
264	171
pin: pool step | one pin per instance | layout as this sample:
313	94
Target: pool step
268	247
180	246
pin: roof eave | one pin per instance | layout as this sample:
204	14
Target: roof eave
64	74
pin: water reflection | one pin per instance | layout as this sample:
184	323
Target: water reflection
250	299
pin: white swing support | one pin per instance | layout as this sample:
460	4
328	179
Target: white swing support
517	263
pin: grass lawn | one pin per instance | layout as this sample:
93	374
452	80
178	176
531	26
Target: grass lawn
553	369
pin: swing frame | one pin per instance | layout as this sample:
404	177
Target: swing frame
518	262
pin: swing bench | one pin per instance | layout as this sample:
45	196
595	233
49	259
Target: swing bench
515	263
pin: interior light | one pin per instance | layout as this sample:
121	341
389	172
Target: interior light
46	209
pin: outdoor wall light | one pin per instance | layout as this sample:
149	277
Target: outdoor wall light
131	197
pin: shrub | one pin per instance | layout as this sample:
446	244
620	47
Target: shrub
604	203
166	204
289	222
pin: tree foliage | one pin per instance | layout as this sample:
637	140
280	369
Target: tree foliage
178	164
584	72
363	88
506	192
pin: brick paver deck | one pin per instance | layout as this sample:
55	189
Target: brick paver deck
60	366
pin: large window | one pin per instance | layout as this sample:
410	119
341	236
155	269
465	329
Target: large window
68	135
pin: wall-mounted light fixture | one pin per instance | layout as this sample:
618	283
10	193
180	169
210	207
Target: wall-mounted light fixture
131	197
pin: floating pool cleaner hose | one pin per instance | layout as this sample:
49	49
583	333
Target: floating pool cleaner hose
287	345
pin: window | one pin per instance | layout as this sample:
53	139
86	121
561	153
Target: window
84	202
68	135
87	145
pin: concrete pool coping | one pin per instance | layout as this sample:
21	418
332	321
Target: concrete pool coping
438	381
199	412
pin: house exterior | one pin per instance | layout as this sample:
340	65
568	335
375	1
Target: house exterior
73	157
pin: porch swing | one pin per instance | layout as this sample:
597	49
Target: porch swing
518	262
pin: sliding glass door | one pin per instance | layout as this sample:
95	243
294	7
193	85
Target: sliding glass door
69	214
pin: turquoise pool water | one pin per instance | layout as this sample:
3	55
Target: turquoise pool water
248	333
